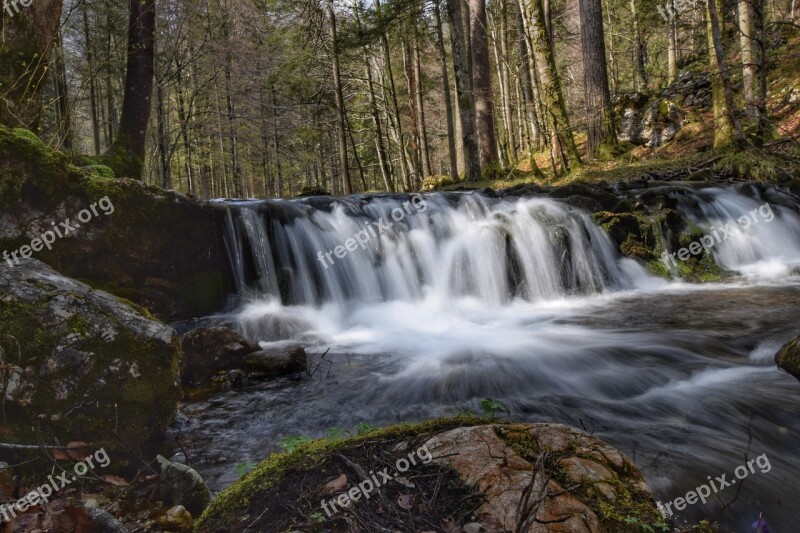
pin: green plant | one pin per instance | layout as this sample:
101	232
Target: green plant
291	442
644	526
317	517
334	434
244	468
491	407
364	428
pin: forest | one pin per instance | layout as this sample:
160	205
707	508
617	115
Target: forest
453	266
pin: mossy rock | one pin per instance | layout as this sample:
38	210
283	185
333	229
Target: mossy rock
285	492
788	358
434	183
29	136
102	373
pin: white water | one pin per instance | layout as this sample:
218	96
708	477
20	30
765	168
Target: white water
764	240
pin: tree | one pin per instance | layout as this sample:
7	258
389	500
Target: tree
727	131
341	123
482	85
466	104
126	155
600	116
27	42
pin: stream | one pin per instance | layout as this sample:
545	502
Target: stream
526	302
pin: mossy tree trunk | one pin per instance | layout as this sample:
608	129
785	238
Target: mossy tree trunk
28	37
550	84
727	131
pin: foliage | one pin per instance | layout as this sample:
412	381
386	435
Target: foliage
491	407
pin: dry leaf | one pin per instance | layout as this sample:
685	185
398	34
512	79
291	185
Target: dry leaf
335	486
77	450
115	480
451	527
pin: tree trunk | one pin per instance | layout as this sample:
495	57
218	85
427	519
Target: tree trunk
397	124
87	33
412	109
505	83
386	172
672	47
748	65
726	128
760	28
276	146
640	74
600	119
347	186
482	85
419	95
126	155
62	91
161	119
551	93
466	105
27	40
448	103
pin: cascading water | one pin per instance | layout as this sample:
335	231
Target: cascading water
528	302
754	237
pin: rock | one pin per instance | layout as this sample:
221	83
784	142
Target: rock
208	351
91	362
313	191
182	485
788	358
177	519
277	361
138	241
591	487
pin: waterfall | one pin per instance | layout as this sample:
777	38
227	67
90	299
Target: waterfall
309	252
753	235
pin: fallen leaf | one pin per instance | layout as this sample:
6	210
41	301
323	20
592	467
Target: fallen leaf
115	480
335	486
407	483
77	450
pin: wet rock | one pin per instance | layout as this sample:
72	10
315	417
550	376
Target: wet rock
208	351
182	485
93	363
788	358
277	361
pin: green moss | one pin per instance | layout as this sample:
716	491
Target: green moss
749	165
630	502
29	136
101	171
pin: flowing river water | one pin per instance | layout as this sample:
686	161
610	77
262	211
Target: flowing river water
525	301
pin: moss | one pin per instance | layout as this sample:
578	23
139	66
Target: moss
433	183
750	165
101	171
29	136
631	503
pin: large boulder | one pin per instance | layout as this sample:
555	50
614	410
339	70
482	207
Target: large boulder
157	248
788	358
82	365
479	476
